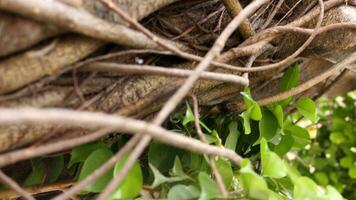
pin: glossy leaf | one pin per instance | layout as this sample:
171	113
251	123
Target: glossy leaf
300	135
231	140
181	192
277	111
307	108
94	161
268	125
208	187
132	183
272	165
284	145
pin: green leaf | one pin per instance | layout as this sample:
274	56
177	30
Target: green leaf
268	125
178	169
346	162
181	192
208	187
55	168
290	78
231	140
272	165
255	112
333	194
159	178
284	145
94	161
307	108
321	178
246	121
277	111
225	170
255	187
132	183
38	173
81	153
337	137
300	135
189	116
305	189
161	155
352	172
215	135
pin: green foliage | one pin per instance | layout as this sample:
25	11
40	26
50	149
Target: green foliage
289	80
132	183
94	161
308	154
38	172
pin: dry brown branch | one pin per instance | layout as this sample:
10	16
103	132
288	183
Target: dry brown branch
304	86
155	70
79	21
122	124
234	8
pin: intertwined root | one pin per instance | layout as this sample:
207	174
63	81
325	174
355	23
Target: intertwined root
29	57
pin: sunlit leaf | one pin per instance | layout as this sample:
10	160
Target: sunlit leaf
94	161
307	108
306	189
272	165
132	183
300	135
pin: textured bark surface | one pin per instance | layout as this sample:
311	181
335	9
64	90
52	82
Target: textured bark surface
142	95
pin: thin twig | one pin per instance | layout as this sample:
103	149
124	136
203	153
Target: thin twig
12	184
304	86
212	162
155	70
115	122
59	186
